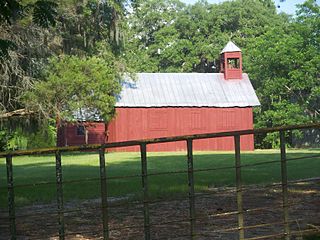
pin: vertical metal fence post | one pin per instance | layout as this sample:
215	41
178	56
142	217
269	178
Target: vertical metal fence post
11	205
59	195
144	173
284	181
104	200
191	188
239	186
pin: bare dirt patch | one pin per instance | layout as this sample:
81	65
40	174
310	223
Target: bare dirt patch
216	216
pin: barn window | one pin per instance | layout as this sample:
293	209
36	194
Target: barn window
227	120
233	63
80	131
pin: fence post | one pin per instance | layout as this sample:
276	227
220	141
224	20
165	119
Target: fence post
191	188
104	200
144	174
60	195
11	205
239	186
284	184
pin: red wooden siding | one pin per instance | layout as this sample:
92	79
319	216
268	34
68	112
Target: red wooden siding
142	123
96	134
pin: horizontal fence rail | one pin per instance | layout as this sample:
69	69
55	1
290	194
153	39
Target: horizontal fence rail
159	140
148	225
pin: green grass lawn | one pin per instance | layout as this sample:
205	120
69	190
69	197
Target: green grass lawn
36	169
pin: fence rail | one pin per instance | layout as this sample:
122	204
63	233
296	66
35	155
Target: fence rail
159	140
192	196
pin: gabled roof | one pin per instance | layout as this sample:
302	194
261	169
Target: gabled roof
230	47
187	90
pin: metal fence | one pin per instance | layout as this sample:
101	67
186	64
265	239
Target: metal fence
193	233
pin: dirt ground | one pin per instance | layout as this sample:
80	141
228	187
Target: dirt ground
215	216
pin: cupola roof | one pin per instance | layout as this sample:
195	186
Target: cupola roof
230	47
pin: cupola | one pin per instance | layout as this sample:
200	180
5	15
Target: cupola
231	61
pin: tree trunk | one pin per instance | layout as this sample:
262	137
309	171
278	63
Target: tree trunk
59	131
106	132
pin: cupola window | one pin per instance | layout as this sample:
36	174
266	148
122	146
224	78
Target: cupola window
233	63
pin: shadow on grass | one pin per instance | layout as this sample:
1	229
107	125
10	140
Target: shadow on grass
82	166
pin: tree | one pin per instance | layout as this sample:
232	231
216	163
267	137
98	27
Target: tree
31	32
76	88
190	38
42	13
21	41
150	31
284	66
83	24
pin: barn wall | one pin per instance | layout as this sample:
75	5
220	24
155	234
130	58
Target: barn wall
96	134
142	123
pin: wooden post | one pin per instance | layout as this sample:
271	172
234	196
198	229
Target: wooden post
191	189
60	196
11	205
144	173
239	186
284	184
86	134
104	200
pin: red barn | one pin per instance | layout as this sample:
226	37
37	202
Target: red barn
170	104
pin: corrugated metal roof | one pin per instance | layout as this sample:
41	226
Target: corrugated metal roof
187	90
86	114
230	47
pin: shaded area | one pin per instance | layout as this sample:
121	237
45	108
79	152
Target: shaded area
216	215
81	174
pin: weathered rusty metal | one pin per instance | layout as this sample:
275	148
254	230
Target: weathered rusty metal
104	200
60	196
239	186
192	210
284	181
11	204
144	173
158	140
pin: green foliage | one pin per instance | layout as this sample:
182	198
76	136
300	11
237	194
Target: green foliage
280	53
72	83
83	24
16	141
5	47
45	136
45	13
284	66
18	137
9	9
34	31
168	36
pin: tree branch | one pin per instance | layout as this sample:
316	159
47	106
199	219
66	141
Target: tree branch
17	113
